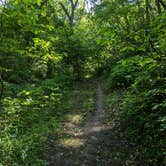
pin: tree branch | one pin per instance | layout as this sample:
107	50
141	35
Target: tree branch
75	5
70	14
65	10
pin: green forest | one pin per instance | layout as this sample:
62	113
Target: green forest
82	82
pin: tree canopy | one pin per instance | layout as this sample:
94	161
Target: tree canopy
47	47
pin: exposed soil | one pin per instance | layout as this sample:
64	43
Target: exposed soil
89	141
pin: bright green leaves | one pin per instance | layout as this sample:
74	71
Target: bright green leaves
38	2
28	2
135	49
41	44
128	47
26	121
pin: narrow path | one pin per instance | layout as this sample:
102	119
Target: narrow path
100	96
92	144
92	129
94	124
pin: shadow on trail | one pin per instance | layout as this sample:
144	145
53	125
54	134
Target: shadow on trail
92	144
98	148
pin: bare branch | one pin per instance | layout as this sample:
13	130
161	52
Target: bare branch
75	5
65	10
70	14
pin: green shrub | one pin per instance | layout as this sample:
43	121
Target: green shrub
26	121
143	112
126	71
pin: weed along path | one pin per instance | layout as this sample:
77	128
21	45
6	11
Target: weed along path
85	138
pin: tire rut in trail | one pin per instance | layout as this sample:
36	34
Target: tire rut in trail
89	144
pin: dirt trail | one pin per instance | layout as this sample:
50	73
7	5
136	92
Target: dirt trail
93	124
92	144
92	130
100	96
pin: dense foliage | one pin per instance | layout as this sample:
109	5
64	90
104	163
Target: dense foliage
47	46
134	38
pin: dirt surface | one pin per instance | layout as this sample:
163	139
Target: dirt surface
89	141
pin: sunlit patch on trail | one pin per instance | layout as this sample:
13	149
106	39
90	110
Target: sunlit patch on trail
96	127
72	142
72	129
75	118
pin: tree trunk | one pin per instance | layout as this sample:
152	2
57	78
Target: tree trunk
70	13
